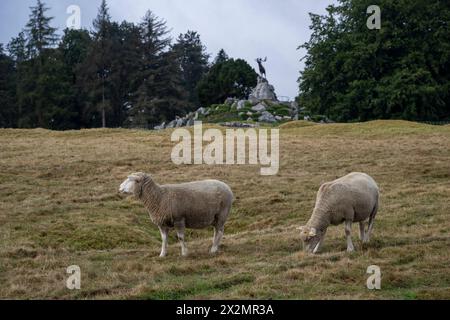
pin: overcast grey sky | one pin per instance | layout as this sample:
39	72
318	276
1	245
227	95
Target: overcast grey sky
244	28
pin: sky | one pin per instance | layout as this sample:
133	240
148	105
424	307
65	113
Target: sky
246	29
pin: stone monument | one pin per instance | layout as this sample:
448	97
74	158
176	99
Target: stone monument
263	91
262	106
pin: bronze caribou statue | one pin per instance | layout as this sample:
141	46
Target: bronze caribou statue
262	70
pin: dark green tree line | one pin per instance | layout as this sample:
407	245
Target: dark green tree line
398	72
8	74
117	74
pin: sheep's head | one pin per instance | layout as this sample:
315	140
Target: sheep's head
311	238
133	183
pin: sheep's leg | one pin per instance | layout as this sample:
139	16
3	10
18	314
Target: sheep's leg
368	233
362	232
180	227
371	222
218	234
184	250
348	234
320	244
318	247
164	236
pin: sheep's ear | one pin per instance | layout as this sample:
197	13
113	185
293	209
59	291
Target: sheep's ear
312	232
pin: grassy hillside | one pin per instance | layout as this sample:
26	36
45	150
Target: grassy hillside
59	207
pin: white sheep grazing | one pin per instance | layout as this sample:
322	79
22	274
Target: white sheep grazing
353	198
195	205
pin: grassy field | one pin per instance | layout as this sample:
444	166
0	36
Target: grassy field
59	206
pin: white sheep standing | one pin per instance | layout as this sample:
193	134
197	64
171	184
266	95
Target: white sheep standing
195	205
353	198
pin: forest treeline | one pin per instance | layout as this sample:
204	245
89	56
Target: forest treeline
135	75
400	71
115	75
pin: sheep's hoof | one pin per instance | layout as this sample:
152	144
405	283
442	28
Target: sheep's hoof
184	254
162	255
214	250
350	250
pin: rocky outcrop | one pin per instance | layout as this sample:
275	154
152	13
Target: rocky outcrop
263	91
267	117
187	121
262	106
239	125
161	127
240	104
230	101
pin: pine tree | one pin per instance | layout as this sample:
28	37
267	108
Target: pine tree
124	78
36	96
101	52
17	48
40	34
226	78
193	61
18	53
222	56
74	48
8	110
160	76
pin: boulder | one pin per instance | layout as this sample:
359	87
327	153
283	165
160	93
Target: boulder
253	100
162	126
230	101
190	122
179	122
201	110
263	91
171	124
267	117
240	104
260	107
239	125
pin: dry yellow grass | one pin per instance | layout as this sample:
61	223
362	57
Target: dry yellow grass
59	207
